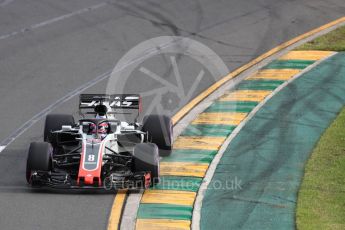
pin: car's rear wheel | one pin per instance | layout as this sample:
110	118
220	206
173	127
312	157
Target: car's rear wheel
160	130
146	159
39	158
55	122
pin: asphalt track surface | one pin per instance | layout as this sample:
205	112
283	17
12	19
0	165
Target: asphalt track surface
49	48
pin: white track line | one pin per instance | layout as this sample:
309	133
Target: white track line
2	147
130	210
44	112
50	108
212	168
5	3
53	20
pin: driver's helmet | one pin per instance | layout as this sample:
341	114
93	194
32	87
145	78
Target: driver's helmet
103	128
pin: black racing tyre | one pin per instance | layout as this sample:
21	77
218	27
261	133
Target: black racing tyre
146	159
39	158
55	122
160	130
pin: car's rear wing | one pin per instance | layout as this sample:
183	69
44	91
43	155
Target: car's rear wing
118	102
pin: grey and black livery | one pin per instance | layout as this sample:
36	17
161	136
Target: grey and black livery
100	150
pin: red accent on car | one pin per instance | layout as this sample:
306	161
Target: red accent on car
89	176
140	105
147	177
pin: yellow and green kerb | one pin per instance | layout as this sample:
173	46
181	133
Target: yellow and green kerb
169	204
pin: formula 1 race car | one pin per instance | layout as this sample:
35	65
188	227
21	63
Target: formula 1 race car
100	151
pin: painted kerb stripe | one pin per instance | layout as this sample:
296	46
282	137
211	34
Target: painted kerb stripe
235	73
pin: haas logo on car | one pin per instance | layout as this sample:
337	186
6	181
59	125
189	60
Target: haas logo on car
121	104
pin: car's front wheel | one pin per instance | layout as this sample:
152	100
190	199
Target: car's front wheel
146	159
160	131
39	158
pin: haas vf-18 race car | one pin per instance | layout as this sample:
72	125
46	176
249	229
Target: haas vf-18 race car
101	150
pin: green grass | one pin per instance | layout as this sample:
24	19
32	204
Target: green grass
333	41
321	199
